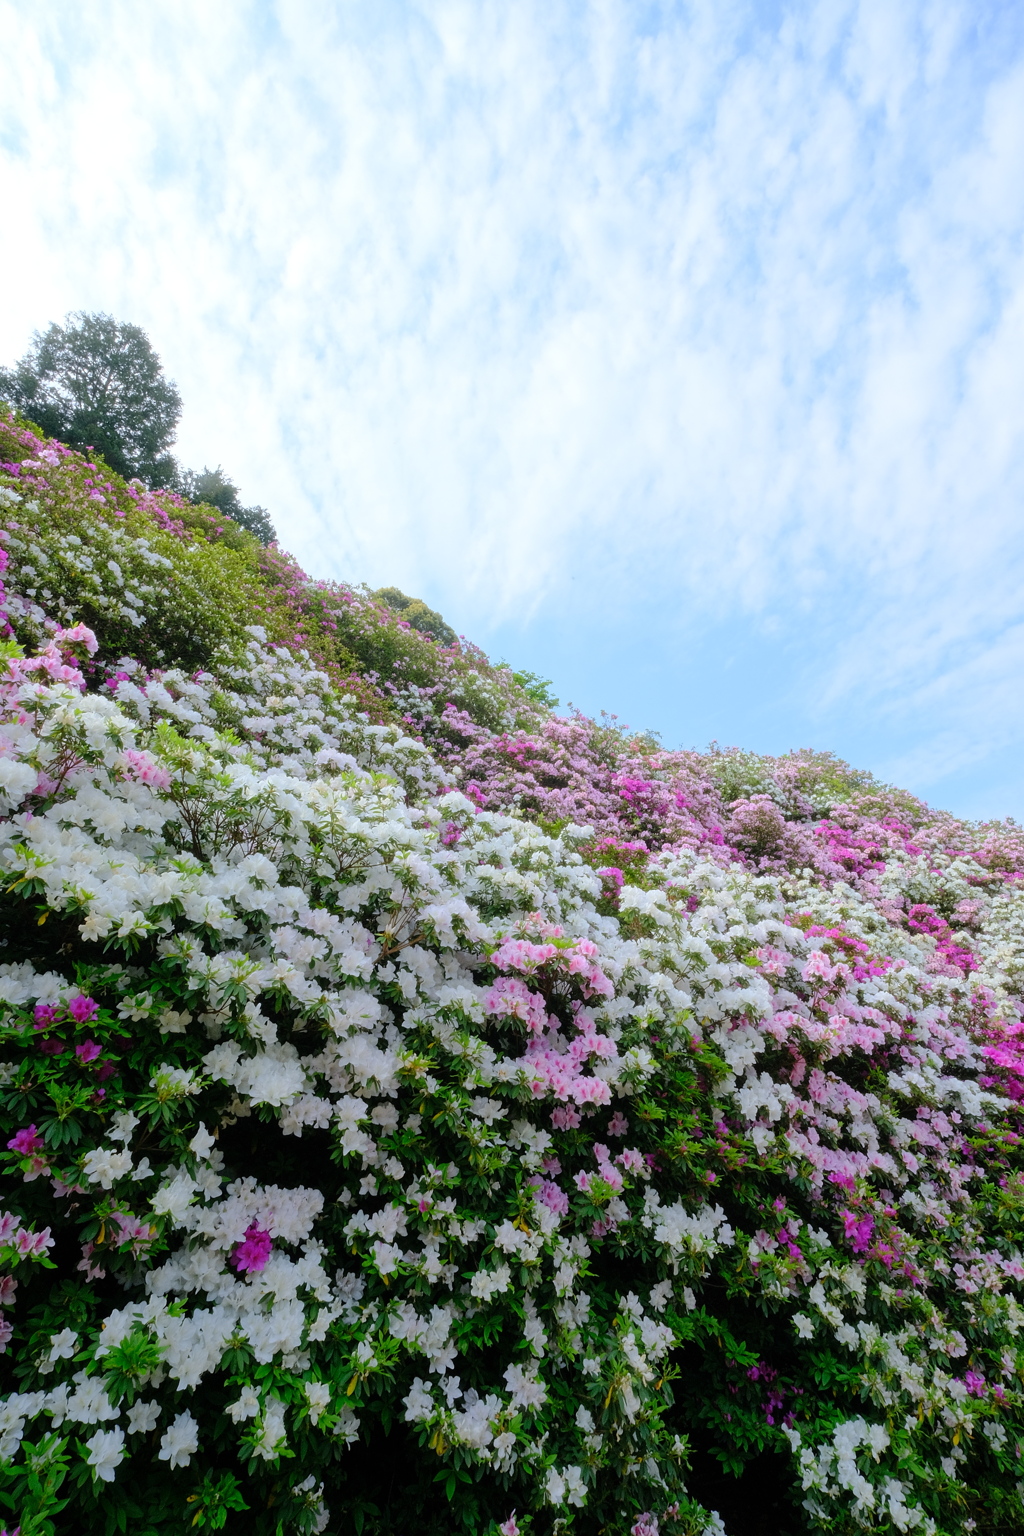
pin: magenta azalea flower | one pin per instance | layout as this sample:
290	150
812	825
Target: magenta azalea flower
26	1142
253	1251
859	1232
83	1009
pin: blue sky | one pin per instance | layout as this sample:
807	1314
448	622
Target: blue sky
675	351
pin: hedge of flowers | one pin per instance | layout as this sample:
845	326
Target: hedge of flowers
482	1120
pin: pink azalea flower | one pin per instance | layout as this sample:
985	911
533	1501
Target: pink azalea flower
858	1231
549	1194
30	1245
143	767
26	1141
79	635
773	961
252	1253
90	1270
82	1009
613	876
817	967
611	1176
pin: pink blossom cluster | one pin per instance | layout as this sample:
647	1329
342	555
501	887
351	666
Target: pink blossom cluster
640	800
563	1040
144	768
49	664
17	1242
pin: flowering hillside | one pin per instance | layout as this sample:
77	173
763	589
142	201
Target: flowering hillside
425	1112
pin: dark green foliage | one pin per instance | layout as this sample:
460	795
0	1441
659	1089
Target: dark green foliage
256	520
212	488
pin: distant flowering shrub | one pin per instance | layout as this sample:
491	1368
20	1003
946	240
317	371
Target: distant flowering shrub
168	584
377	1158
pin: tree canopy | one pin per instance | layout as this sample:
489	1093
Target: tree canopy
415	611
96	382
212	488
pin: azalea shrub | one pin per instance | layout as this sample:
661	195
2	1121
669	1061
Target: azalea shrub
168	583
390	1144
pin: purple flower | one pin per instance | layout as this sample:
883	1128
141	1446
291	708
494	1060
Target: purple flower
83	1009
549	1194
44	1014
858	1233
612	876
26	1142
253	1251
87	1051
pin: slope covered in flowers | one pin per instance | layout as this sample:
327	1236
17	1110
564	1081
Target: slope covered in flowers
426	1112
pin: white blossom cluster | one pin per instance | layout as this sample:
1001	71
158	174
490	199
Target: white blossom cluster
110	572
323	932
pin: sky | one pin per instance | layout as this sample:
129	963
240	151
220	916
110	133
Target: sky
674	351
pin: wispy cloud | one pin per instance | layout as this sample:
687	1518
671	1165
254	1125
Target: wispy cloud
680	344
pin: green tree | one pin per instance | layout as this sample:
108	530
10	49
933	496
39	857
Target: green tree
213	488
534	686
96	383
427	620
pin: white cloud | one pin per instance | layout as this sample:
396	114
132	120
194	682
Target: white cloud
701	310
